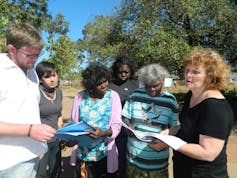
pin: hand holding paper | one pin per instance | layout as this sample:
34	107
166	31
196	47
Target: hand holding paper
78	132
170	140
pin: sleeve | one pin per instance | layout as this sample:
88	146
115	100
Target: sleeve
216	119
75	118
174	114
126	112
75	107
173	119
115	121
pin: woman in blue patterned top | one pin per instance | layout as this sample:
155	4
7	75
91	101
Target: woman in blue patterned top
101	108
149	109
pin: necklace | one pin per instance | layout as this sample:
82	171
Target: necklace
49	96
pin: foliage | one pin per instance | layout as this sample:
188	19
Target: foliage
65	57
62	50
205	23
34	12
154	31
3	22
163	31
96	41
31	11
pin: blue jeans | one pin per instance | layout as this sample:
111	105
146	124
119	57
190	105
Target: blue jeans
26	169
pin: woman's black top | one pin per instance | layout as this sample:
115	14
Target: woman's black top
212	117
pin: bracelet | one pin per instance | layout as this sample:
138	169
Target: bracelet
29	131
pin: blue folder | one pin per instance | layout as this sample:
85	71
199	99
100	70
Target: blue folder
77	132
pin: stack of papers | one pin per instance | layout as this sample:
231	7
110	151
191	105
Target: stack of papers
78	132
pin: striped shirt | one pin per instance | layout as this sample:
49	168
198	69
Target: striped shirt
152	114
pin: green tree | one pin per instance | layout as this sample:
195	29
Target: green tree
163	31
36	13
210	23
96	41
65	56
3	22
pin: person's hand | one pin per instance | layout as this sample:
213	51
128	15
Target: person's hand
60	122
158	145
97	133
42	132
41	156
68	144
129	133
165	132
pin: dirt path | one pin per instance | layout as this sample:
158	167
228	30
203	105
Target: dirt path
68	171
232	155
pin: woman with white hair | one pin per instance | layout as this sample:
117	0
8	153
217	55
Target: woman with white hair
151	109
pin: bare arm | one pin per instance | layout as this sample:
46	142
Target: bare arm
8	129
207	149
40	132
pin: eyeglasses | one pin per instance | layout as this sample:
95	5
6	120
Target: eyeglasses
31	56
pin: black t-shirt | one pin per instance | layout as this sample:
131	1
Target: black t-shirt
212	117
124	89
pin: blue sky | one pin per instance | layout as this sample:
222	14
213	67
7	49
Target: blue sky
79	12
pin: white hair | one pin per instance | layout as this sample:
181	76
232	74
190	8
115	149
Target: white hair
152	72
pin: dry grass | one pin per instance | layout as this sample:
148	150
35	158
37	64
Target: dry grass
69	90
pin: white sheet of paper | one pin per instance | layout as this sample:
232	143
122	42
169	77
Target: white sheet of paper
170	140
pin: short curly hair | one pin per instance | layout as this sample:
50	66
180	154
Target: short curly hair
217	70
93	74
